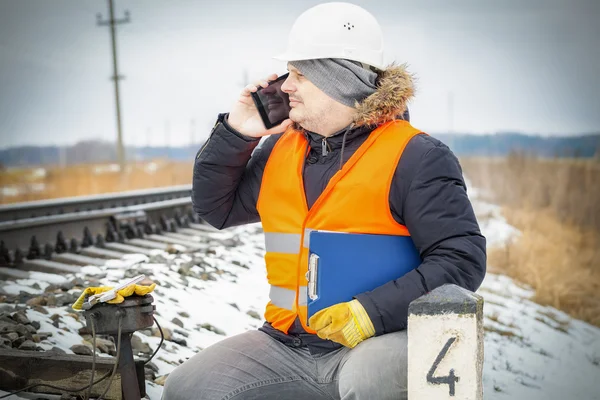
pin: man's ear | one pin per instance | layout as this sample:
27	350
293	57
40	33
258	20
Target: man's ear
379	75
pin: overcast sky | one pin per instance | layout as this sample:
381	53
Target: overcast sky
509	65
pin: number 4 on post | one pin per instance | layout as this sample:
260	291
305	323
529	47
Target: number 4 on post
450	379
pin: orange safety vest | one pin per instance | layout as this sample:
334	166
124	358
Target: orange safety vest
356	200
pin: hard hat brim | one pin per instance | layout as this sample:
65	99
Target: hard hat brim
291	56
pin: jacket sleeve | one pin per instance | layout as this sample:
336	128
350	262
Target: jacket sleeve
440	218
227	176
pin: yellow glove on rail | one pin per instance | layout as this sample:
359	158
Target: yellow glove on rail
140	290
345	323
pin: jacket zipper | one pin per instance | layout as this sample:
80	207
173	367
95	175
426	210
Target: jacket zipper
324	151
208	140
202	149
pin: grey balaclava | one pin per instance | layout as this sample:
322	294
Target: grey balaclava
343	80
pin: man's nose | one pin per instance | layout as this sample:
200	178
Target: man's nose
287	86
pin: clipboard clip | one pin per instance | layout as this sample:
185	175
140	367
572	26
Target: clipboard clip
313	264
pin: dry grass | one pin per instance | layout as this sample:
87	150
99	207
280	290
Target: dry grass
568	187
50	182
554	203
560	262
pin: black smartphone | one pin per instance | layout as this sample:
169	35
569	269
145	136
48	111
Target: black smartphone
272	103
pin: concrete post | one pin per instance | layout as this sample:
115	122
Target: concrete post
445	345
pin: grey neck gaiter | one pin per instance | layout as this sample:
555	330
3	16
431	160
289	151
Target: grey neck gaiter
343	80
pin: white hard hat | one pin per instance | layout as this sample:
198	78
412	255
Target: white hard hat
336	30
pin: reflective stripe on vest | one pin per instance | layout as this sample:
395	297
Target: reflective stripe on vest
356	199
286	242
282	242
285	298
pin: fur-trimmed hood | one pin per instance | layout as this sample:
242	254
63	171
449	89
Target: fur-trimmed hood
395	87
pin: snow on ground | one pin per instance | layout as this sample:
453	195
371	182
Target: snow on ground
151	167
531	351
106	168
15	190
9	191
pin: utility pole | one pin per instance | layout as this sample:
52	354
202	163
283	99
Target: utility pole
62	157
168	138
193	132
450	141
451	138
116	77
450	112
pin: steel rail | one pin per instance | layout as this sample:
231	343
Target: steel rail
42	228
44	208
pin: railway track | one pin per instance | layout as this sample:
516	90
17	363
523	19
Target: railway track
64	234
62	237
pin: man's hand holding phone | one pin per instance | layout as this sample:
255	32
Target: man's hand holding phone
244	116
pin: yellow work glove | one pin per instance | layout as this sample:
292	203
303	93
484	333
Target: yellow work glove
345	323
140	290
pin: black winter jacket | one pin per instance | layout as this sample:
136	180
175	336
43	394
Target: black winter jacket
428	195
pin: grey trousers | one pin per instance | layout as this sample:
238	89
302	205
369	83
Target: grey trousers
253	365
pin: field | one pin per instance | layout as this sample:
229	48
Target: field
554	203
28	184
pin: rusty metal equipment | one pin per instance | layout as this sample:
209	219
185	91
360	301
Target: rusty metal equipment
133	314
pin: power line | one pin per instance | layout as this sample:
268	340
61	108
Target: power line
112	22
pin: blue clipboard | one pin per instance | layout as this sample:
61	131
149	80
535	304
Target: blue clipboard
342	265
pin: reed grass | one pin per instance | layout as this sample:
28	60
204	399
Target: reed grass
555	204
